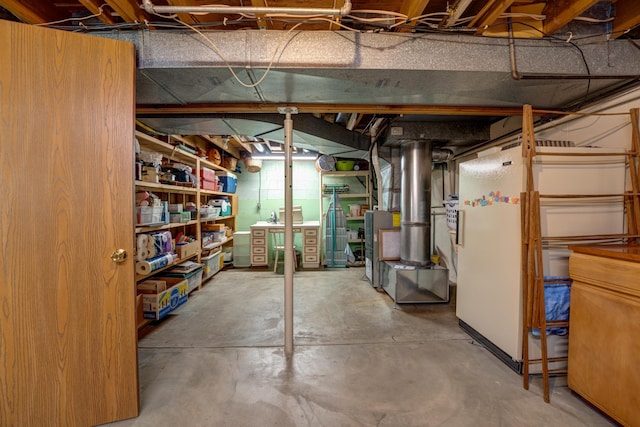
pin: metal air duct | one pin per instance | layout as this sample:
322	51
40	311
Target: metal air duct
415	203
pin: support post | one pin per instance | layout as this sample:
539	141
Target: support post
289	257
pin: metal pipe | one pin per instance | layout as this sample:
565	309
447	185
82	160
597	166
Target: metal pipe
225	10
512	54
415	203
288	234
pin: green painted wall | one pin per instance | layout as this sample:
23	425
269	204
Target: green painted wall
267	188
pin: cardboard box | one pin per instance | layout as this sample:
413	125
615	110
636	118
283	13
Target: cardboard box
213	227
157	306
152	286
193	278
188	249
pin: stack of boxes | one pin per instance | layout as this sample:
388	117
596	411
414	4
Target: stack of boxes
208	179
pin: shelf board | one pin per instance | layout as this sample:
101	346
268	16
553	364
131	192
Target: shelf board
355	241
346	173
140	277
217	244
167	150
211	165
143	323
347	195
217	193
218	218
144	229
166	187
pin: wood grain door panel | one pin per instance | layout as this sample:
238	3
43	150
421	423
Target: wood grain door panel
67	312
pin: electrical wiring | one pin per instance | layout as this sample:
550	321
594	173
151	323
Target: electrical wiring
79	20
233	73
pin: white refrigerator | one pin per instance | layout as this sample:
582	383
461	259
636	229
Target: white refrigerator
489	287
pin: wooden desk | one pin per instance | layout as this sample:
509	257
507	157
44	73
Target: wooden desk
604	337
261	241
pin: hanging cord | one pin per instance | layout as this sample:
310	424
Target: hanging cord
235	76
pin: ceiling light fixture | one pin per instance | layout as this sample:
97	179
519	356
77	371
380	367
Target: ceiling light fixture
225	10
281	157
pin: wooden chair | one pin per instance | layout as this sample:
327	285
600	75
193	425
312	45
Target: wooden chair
278	246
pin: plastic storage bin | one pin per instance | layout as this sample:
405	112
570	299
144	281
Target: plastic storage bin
149	215
451	208
211	265
194	278
222	202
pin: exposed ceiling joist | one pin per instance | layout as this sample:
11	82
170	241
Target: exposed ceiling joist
412	9
627	16
32	14
186	17
560	12
103	14
490	14
261	22
330	108
456	11
129	11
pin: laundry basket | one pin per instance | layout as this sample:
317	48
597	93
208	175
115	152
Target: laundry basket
452	213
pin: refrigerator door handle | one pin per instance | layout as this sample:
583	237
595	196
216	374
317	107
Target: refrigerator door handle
460	228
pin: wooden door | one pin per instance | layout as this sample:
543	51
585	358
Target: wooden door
68	352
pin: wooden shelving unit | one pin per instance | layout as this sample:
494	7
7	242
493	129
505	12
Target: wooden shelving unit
359	192
183	193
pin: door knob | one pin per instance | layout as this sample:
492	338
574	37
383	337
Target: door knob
119	255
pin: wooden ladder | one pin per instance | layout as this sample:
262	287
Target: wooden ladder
532	268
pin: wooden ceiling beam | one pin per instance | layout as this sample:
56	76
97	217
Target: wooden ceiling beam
186	17
627	16
261	22
489	14
32	12
412	9
560	12
152	110
129	10
104	15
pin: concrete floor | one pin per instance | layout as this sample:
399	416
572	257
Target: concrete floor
359	360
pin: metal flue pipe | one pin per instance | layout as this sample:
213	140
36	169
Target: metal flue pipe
415	204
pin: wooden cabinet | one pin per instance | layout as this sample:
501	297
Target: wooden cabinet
176	193
259	247
604	347
353	189
261	240
310	254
